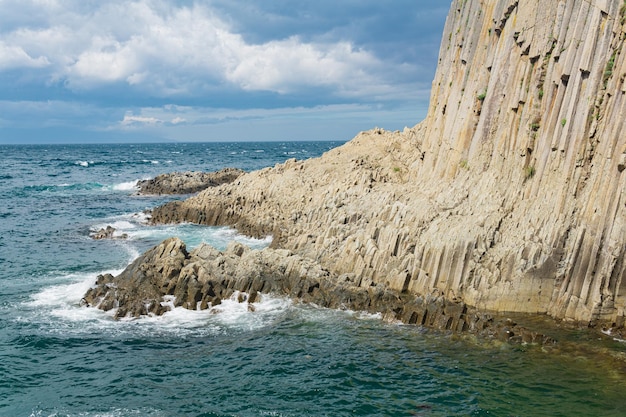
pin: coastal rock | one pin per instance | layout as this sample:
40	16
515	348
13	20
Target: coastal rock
167	275
509	196
139	288
107	233
187	182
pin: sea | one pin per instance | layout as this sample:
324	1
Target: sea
60	359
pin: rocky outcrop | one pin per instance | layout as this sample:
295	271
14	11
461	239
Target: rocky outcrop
509	196
167	275
187	182
108	233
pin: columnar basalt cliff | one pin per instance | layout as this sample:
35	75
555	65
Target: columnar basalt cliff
509	196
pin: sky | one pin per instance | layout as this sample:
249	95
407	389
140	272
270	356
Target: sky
93	71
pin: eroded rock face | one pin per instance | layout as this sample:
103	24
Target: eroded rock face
508	197
187	182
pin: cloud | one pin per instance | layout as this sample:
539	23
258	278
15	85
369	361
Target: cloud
215	69
282	66
12	56
168	50
130	119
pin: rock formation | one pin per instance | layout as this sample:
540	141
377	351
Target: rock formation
203	278
508	197
108	233
187	182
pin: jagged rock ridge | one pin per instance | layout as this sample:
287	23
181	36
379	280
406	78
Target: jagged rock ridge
509	196
187	182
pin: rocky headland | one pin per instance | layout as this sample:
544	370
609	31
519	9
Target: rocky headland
187	182
509	197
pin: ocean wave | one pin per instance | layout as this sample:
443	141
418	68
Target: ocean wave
126	186
63	187
136	228
230	315
56	309
115	412
221	236
88	186
113	163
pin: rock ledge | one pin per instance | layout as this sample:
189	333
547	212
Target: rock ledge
187	182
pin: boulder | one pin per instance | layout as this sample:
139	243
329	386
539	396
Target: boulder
107	233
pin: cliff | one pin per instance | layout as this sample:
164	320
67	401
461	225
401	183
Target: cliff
509	196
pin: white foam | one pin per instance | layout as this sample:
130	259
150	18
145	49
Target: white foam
363	315
133	252
58	309
228	316
223	235
136	228
125	224
126	186
62	295
118	224
117	412
123	228
59	306
82	163
253	242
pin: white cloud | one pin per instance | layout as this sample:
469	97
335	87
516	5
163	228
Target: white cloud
171	50
171	115
283	65
13	56
130	119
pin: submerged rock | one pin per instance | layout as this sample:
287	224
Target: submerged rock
187	182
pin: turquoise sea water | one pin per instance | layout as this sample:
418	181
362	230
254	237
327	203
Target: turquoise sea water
284	359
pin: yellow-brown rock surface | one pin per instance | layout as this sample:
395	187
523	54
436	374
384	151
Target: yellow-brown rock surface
509	196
